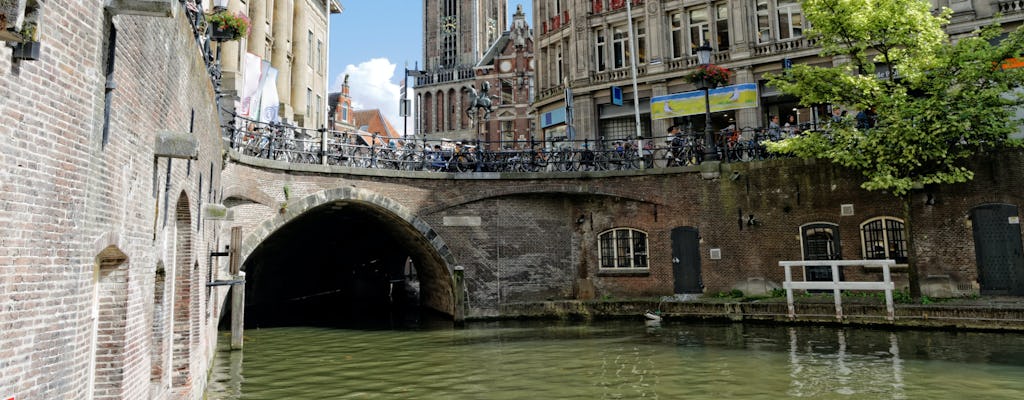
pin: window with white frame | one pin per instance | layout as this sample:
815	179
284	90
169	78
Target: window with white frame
700	28
883	238
309	102
623	248
599	50
620	47
764	27
791	19
676	27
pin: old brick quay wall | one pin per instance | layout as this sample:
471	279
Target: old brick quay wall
103	249
536	236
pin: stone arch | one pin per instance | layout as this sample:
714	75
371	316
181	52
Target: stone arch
438	267
182	340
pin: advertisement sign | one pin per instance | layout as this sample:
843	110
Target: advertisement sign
724	98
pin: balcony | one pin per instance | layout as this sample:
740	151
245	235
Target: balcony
1011	6
445	75
774	48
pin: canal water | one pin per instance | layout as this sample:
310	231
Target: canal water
618	360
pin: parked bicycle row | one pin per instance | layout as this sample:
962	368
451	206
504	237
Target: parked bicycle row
361	150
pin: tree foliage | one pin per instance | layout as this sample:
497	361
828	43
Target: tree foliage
940	103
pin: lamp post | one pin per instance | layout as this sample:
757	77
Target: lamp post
636	94
704	58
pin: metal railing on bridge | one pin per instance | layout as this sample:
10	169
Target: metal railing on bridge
362	150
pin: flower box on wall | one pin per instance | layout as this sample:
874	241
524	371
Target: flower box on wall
26	51
221	33
225	25
149	8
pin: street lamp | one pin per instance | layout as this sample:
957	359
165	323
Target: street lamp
704	58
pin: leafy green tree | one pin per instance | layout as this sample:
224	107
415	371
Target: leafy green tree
940	104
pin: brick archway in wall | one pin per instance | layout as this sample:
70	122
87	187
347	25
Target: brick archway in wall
434	261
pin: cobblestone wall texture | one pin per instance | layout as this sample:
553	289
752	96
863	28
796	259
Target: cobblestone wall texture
84	225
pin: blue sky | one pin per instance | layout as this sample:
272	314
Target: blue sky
372	40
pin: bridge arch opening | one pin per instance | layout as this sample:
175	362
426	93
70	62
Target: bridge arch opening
350	263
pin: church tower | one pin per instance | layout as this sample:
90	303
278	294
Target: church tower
456	36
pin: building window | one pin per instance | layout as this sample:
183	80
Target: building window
764	29
507	130
309	49
700	28
641	41
623	248
678	42
620	47
309	102
820	241
791	21
320	56
319	111
722	26
559	67
884	239
599	51
448	51
507	90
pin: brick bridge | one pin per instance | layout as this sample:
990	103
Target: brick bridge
326	237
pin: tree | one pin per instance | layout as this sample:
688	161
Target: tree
939	104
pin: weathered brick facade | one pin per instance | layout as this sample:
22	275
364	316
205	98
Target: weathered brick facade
94	262
537	234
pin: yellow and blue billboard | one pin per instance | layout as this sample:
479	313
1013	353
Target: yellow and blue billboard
724	98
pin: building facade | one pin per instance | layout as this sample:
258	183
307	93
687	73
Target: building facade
292	36
585	46
507	69
456	36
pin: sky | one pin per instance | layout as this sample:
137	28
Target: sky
372	41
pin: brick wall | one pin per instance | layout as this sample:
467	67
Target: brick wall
530	247
67	201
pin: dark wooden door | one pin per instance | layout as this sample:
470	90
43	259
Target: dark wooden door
686	260
997	246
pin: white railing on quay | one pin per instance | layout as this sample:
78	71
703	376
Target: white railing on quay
836	285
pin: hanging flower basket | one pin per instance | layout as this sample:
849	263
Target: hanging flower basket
227	26
709	76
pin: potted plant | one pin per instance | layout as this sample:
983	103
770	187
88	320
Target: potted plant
226	25
709	76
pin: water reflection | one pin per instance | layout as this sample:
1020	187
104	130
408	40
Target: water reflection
619	360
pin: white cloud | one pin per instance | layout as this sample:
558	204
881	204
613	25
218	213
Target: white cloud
371	86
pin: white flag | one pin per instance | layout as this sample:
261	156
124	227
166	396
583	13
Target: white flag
251	77
269	102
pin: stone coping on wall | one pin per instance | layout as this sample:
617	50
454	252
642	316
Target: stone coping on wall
1001	314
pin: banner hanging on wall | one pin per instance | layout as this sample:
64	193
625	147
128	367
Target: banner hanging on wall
724	98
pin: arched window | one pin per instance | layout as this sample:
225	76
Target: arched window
623	248
883	238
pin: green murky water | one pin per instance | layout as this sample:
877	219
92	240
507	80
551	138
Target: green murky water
619	360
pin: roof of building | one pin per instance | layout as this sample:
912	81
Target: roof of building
375	122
